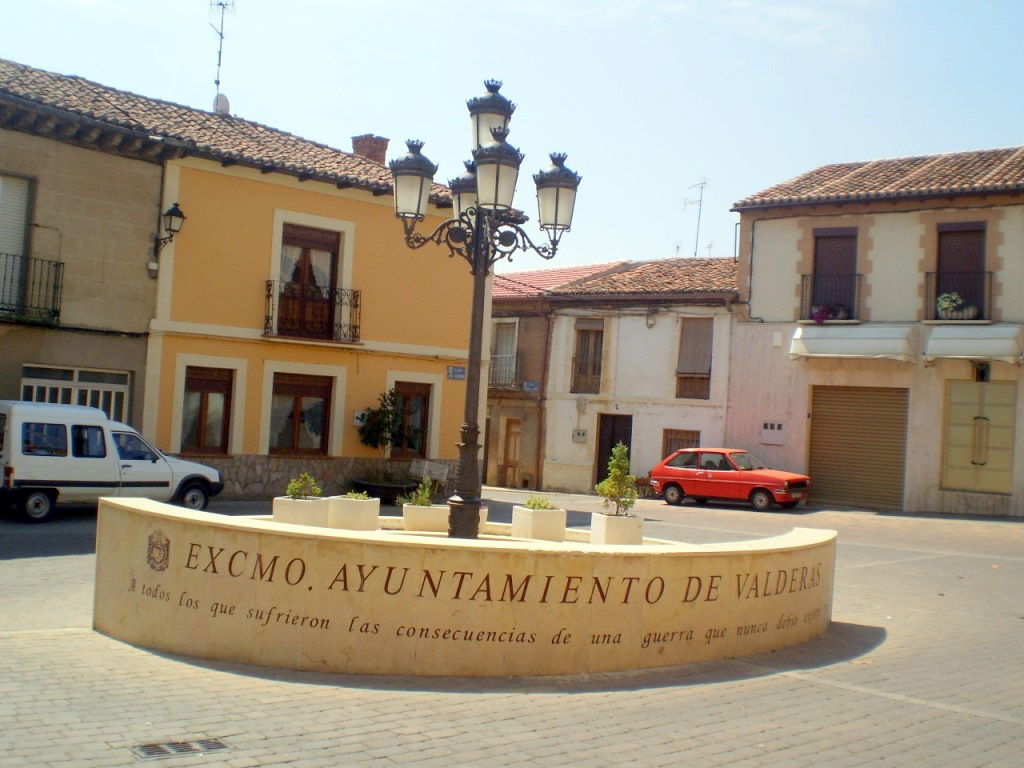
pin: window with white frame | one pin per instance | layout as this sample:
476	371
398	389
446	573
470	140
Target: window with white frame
78	386
693	372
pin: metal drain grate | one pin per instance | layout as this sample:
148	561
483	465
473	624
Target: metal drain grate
174	748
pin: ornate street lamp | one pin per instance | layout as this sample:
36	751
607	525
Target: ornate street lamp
485	229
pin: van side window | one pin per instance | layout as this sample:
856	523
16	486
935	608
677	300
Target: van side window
38	439
88	442
131	448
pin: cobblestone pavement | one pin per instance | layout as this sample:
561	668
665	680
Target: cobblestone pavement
922	667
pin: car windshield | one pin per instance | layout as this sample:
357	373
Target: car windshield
746	460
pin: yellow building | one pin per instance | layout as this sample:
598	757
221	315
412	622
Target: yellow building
286	305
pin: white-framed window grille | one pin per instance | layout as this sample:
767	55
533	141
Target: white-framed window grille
106	389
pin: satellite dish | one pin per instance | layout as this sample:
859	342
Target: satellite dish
221	105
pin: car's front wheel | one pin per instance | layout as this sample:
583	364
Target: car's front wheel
37	506
761	500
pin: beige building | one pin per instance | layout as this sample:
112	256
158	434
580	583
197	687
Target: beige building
79	213
882	349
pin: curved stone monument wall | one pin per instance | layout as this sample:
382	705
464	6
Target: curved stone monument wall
388	602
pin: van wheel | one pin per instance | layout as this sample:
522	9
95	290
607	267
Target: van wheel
193	496
37	506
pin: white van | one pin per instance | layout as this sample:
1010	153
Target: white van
71	453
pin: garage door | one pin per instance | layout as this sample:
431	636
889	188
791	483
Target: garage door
858	446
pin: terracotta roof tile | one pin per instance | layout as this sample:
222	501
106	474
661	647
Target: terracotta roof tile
622	278
206	134
665	276
538	282
958	173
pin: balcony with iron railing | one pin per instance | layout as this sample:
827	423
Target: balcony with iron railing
958	296
827	296
504	373
311	312
30	288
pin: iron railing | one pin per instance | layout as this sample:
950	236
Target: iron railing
30	288
311	312
830	297
958	296
504	372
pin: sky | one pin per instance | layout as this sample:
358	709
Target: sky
658	103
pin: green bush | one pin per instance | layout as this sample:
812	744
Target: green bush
619	487
303	487
538	502
357	495
420	496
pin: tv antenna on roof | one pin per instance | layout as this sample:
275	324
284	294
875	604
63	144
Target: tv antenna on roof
220	101
699	202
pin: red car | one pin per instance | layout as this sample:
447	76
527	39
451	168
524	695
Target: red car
726	474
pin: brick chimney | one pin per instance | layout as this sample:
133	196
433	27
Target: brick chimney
371	147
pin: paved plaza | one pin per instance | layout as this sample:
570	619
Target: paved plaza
923	666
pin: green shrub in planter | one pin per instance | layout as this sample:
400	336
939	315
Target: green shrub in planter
302	487
420	496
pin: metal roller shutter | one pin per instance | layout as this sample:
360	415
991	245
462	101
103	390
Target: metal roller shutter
858	446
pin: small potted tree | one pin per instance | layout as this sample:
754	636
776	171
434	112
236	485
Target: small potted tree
376	429
538	518
619	492
355	511
302	503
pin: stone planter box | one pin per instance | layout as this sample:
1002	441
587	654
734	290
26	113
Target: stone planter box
616	529
545	524
353	514
310	511
433	518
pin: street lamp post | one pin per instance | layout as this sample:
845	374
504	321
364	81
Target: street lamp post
485	229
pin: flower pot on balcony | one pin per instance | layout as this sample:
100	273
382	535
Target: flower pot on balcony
616	529
353	514
960	313
433	518
544	524
300	511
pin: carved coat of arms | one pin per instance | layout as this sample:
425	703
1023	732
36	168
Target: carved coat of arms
158	554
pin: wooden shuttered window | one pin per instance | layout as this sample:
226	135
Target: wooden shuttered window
693	370
586	361
835	272
961	262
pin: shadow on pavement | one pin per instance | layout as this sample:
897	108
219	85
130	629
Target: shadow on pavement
841	643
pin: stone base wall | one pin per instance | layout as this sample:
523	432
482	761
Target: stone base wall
251	476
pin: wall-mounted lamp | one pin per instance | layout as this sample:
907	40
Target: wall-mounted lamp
171	220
